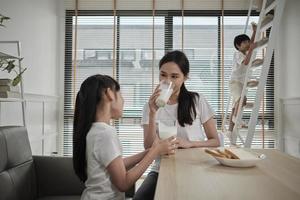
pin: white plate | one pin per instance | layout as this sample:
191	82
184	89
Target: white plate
247	159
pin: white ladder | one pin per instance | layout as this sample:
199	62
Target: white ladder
229	96
264	23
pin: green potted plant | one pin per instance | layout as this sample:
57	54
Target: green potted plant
7	63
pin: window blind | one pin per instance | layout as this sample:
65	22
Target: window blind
134	45
160	4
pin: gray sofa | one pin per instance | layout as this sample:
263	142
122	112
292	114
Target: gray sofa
27	177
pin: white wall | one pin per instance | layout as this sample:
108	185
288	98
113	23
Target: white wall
287	81
36	24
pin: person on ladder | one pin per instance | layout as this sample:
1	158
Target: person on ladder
244	46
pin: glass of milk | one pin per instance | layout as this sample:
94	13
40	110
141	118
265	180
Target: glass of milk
166	91
167	128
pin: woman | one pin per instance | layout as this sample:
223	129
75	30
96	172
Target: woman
190	109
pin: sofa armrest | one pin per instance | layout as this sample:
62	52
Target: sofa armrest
55	176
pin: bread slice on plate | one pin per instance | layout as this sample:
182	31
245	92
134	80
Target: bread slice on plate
235	157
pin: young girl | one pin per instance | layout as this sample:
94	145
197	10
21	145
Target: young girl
190	109
97	154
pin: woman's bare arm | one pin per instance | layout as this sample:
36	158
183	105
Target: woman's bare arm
211	134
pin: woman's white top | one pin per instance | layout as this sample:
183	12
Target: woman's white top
192	132
102	147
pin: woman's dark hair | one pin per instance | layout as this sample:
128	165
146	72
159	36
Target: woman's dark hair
87	99
239	39
186	112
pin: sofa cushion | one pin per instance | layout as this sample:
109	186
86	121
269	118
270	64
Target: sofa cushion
17	179
23	178
17	144
3	153
7	190
60	198
55	176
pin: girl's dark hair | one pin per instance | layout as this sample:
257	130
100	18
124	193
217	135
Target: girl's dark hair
239	39
87	99
186	112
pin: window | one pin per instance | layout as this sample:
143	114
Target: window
134	62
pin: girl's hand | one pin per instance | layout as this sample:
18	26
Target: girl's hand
152	105
183	143
166	146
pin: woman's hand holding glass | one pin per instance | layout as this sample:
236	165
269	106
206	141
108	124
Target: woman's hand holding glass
161	95
152	105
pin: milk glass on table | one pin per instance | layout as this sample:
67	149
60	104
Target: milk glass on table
167	128
166	91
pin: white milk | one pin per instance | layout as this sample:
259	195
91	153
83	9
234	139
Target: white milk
166	131
164	96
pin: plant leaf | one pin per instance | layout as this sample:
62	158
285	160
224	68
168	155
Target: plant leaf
18	78
2	19
10	66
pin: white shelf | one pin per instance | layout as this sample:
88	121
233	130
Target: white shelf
12	100
19	58
7	56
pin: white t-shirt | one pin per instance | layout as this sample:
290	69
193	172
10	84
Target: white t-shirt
102	147
238	68
192	132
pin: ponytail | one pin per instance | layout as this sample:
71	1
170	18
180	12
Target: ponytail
187	104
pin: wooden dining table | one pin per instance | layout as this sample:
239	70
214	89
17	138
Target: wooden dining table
192	174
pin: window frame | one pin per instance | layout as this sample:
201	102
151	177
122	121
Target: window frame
68	112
